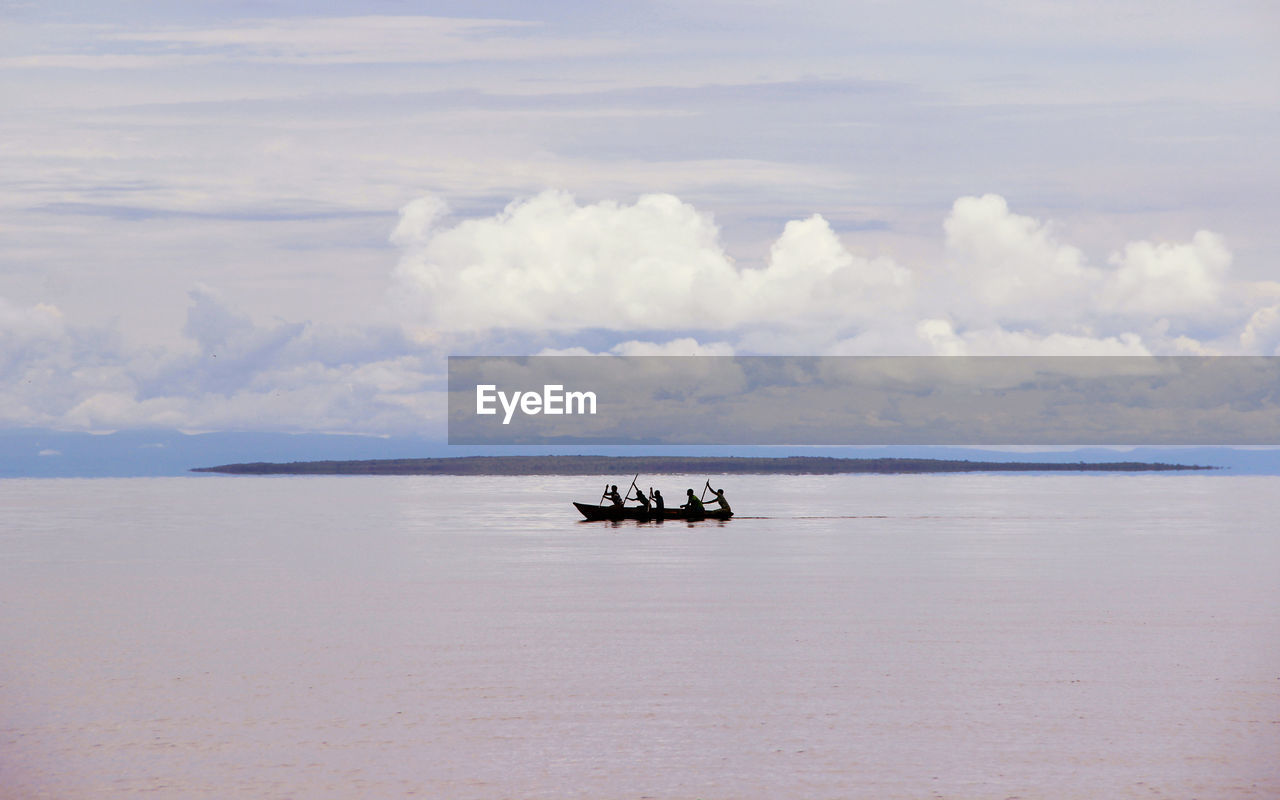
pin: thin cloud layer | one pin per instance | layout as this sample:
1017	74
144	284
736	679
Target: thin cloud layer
368	39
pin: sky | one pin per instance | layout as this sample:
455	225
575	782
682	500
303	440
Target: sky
284	216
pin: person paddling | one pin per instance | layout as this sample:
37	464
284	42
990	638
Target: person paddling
719	498
694	505
640	498
658	503
613	496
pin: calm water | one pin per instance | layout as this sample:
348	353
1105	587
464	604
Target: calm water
865	637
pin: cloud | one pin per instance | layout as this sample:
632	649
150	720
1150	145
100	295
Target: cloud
1158	279
1009	273
211	324
677	347
230	373
417	219
943	339
554	276
811	273
1011	268
1007	283
1261	333
371	39
685	346
41	321
549	263
39	356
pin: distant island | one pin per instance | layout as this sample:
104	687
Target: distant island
654	465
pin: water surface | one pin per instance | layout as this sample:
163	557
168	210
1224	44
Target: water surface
962	636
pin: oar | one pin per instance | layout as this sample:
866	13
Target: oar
602	495
633	485
704	489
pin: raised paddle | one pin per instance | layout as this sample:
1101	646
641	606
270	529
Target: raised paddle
605	493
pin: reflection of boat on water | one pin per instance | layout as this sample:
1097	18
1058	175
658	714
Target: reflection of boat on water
598	513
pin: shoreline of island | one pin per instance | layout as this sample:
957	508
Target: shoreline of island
676	465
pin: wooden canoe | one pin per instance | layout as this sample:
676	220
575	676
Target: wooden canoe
599	513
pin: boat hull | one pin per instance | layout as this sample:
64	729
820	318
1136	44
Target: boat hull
609	513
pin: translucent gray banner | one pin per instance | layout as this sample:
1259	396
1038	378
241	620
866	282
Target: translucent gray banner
855	400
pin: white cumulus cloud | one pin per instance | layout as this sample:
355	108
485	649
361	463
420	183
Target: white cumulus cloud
1011	268
549	263
1261	333
1007	283
1164	278
554	276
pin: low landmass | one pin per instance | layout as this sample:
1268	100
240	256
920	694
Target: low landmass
654	465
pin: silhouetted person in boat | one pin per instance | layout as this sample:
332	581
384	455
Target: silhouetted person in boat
644	501
694	506
658	503
719	498
614	497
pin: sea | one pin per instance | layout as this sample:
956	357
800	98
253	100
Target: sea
854	636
